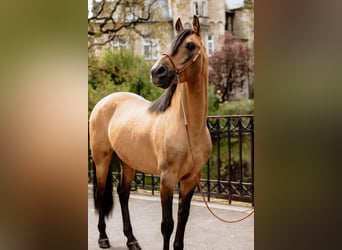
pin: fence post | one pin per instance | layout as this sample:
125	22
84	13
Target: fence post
218	131
240	154
229	161
252	159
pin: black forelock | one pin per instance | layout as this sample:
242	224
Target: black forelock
178	40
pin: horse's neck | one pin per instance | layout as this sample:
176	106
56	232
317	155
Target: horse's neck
195	97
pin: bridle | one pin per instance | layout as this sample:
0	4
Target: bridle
178	71
186	66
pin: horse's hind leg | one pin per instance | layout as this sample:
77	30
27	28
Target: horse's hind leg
186	191
103	194
124	188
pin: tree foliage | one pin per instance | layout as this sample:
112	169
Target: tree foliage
119	71
230	67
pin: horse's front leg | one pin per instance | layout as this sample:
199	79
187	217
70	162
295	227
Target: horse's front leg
166	195
124	188
186	192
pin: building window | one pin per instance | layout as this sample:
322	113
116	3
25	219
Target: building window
210	45
195	8
230	21
118	44
150	46
204	9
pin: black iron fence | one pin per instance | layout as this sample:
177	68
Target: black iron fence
229	172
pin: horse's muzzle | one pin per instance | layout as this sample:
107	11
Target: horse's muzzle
161	76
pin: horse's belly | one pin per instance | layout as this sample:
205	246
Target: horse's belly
138	157
133	144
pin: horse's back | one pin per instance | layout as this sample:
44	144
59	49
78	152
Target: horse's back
116	102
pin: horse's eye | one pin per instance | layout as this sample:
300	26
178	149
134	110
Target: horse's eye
190	46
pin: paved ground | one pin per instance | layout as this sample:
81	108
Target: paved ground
203	231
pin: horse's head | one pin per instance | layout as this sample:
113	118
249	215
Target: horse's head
181	57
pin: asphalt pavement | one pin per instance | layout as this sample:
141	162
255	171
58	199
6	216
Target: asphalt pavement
203	231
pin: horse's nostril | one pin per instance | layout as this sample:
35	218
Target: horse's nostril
161	71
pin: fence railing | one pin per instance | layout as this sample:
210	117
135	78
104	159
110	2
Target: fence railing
229	172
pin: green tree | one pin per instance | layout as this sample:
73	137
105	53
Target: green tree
119	71
230	67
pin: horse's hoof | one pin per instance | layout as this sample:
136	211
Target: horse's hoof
133	245
104	243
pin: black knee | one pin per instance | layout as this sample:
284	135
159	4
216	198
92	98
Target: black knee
101	226
183	212
121	189
123	192
167	227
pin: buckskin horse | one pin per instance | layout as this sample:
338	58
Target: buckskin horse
160	138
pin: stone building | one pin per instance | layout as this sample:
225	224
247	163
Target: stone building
147	38
217	17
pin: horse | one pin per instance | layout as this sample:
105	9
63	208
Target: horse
160	138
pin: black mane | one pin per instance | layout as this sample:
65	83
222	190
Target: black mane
178	40
164	101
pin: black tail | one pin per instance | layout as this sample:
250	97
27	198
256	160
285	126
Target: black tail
103	196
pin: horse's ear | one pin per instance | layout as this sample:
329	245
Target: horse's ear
196	25
179	25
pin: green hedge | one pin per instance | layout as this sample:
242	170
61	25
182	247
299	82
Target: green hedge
125	71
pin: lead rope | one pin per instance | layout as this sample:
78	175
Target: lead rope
182	104
193	162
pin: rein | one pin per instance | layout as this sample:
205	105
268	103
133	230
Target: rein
178	71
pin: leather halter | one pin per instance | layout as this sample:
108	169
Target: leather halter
186	66
178	71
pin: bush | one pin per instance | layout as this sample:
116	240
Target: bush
125	71
119	71
240	107
231	68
